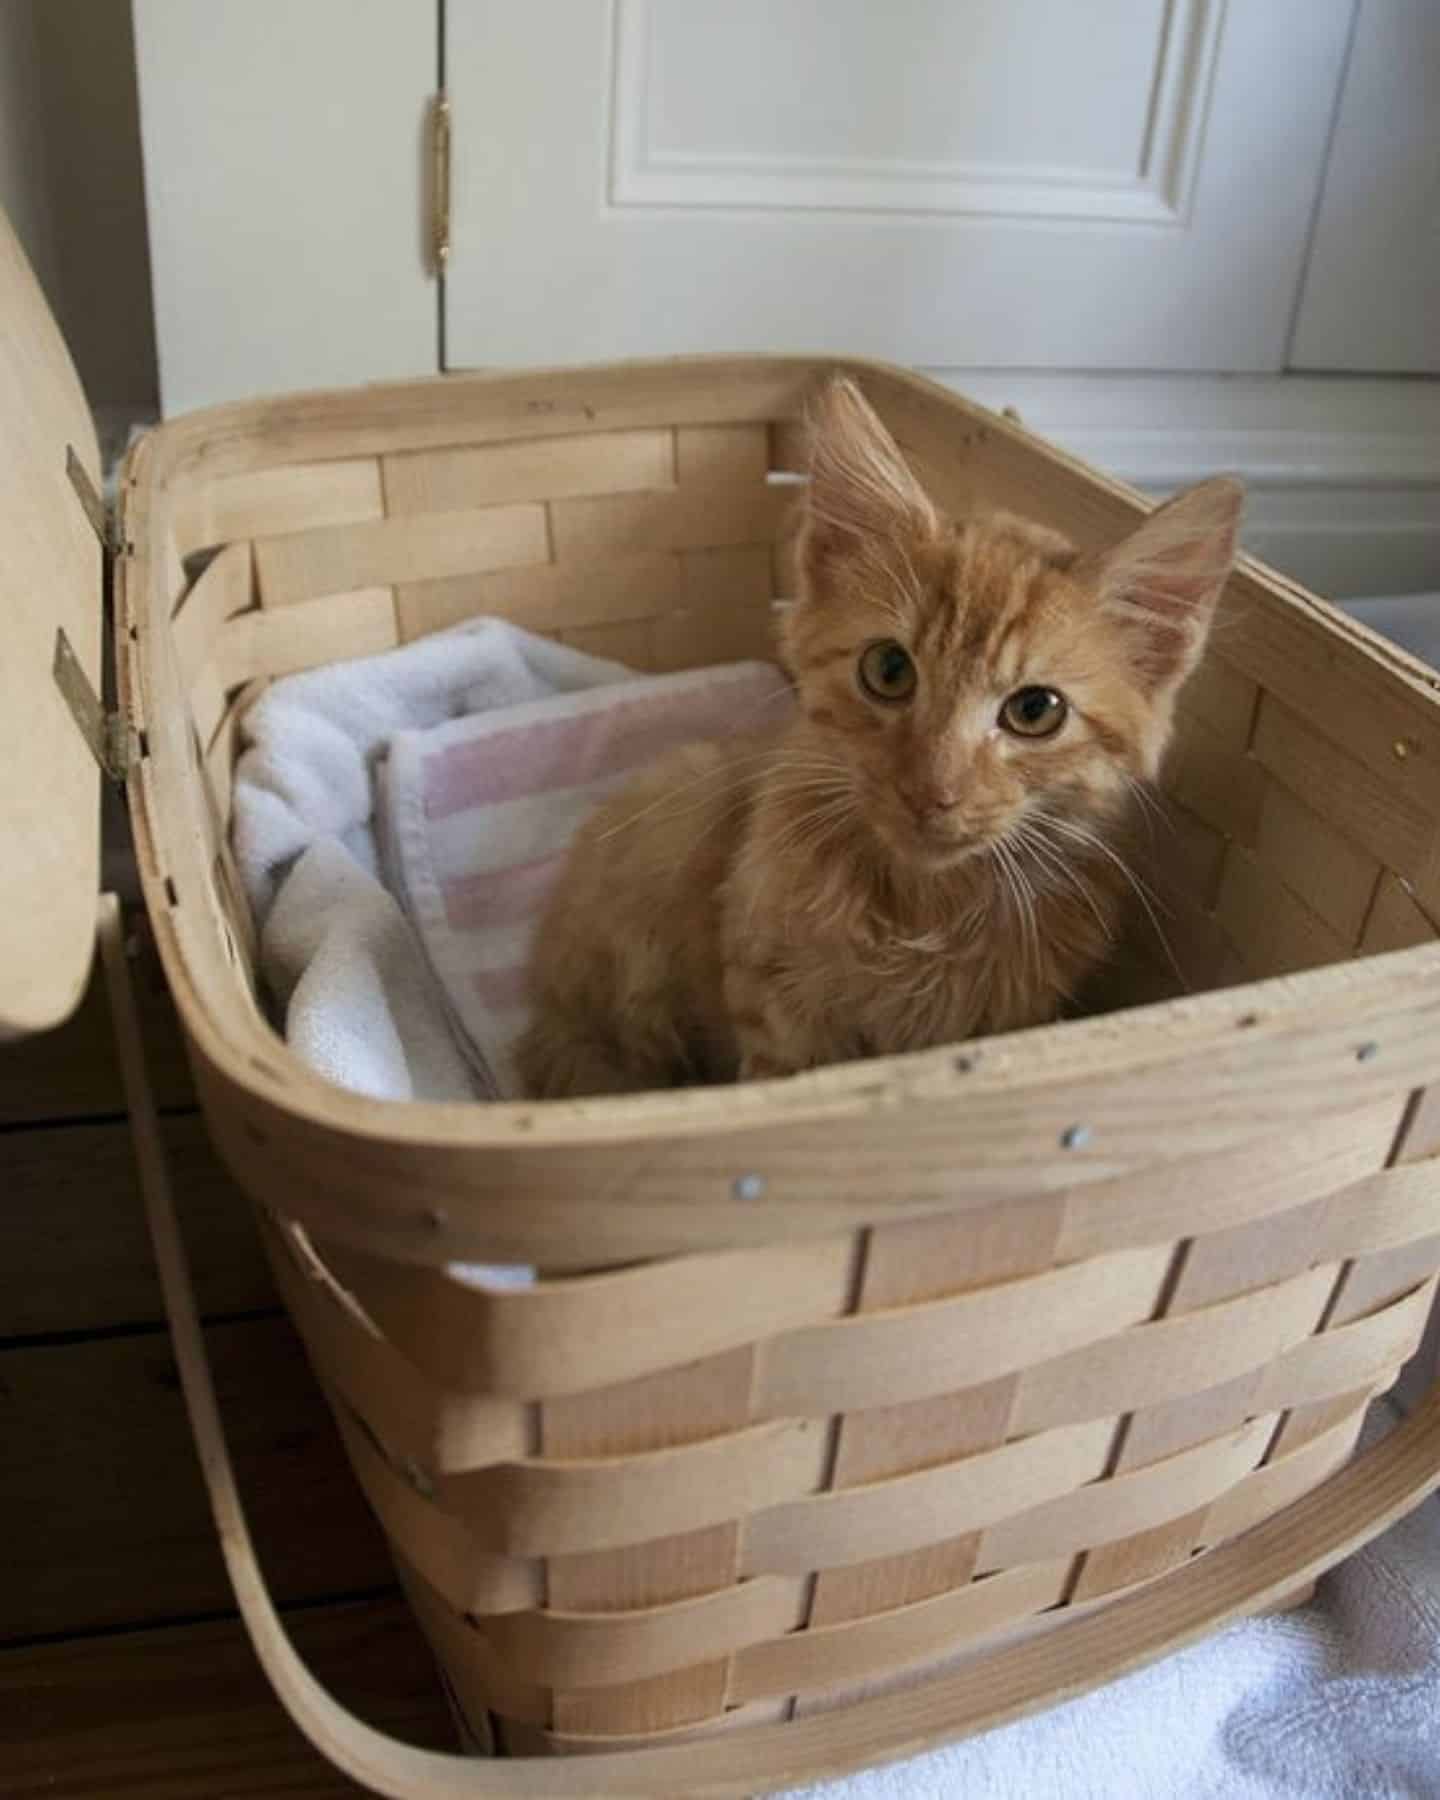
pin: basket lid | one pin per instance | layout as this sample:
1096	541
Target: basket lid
50	581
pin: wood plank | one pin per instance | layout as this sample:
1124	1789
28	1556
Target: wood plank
601	462
72	1230
282	642
548	597
1216	781
71	1072
268	502
1331	875
185	1711
674	1407
706	515
103	1518
903	1264
1377	814
306	565
1276	933
1396	922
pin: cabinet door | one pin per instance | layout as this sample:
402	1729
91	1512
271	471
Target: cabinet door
1002	182
1372	294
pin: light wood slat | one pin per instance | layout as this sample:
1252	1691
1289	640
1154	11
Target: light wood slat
1285	1479
1396	922
441	1548
1224	698
1334	878
307	565
912	1511
1265	1177
825	1656
909	1263
868	1359
98	1460
461	479
1221	785
566	1336
929	1155
710	453
1373	812
303	636
1153	1363
1126	1503
1348	1356
725	615
226	587
684	1555
1280	934
475	408
1183	856
478	1678
208	701
435	1430
184	1711
1362	706
628	641
266	502
548	597
524	1741
555	1508
701	517
556	1648
1384	1278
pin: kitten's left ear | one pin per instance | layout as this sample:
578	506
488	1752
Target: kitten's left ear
1162	582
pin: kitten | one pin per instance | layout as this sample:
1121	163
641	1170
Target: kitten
927	851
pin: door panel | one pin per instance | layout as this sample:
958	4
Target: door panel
943	182
1372	294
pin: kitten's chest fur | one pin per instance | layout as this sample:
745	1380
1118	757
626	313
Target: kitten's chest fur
875	960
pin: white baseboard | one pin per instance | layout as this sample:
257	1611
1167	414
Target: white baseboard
1343	471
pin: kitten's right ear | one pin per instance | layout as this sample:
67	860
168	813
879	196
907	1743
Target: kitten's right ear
1162	582
860	485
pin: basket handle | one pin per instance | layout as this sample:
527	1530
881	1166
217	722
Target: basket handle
1249	1573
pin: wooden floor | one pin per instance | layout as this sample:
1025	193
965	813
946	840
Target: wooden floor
123	1669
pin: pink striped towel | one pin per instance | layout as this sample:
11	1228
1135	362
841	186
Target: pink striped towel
479	813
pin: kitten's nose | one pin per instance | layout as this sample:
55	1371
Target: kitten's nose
928	800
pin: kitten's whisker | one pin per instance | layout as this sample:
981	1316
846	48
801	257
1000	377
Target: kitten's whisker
1143	893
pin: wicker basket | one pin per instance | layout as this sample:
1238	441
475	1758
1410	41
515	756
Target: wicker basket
836	1384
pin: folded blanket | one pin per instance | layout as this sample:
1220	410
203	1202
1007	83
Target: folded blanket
477	815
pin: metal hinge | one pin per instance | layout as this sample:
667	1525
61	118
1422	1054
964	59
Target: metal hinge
103	727
439	183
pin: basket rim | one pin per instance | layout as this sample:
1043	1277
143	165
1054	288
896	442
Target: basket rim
248	1055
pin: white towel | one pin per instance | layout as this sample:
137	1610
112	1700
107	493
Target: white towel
478	814
360	1003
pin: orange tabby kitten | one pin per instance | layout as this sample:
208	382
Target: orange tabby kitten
926	852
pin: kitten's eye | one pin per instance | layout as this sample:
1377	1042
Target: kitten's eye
1034	712
886	671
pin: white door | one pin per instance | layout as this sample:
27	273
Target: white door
1118	184
1372	290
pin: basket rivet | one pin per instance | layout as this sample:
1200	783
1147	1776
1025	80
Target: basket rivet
1367	1052
1075	1137
1402	747
436	1218
748	1187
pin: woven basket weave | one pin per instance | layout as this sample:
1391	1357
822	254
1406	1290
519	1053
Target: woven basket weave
833	1383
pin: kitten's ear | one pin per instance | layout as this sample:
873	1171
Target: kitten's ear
860	484
1162	582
